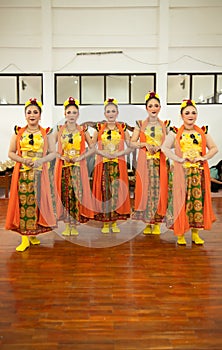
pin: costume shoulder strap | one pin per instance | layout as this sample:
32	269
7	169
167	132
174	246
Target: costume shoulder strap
84	127
174	129
98	126
122	126
48	130
129	127
139	123
16	129
205	129
167	123
58	127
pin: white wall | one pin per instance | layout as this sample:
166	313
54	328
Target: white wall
45	36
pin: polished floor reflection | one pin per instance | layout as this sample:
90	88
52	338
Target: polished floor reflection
134	292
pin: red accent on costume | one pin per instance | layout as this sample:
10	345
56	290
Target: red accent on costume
167	123
48	130
205	129
174	129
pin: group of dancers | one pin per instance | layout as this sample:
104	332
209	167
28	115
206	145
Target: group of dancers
50	181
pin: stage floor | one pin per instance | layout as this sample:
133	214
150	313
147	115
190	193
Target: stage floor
124	291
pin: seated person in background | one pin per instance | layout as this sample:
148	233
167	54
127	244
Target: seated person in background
216	177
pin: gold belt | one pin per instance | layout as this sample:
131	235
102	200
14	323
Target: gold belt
32	154
72	153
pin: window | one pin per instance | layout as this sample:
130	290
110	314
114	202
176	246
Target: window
201	87
118	86
16	89
92	89
178	88
67	86
139	84
95	88
219	89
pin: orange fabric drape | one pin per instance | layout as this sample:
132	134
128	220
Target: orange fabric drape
142	181
86	207
46	214
123	204
181	224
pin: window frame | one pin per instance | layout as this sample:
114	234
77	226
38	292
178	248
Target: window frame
191	76
17	87
105	75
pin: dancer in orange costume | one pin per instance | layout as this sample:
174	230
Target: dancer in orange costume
73	195
30	209
110	179
152	167
192	208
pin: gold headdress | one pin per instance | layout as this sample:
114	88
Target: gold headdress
186	103
33	101
111	100
71	101
151	94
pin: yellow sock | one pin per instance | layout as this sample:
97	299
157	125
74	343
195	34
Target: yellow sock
115	228
147	230
105	228
66	232
195	236
74	231
181	240
156	229
34	240
23	245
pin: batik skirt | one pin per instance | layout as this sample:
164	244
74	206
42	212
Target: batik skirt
29	189
194	199
72	193
110	194
150	215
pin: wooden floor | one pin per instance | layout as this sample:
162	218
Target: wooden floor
109	293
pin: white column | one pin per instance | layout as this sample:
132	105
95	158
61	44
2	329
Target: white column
163	54
48	90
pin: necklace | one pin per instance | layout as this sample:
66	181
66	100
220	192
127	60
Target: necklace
71	130
189	128
111	128
152	123
32	131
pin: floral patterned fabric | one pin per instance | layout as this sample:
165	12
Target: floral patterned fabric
154	136
191	146
110	189
72	188
29	185
107	190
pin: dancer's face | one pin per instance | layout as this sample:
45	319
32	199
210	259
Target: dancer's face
111	113
71	114
32	115
189	116
153	107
